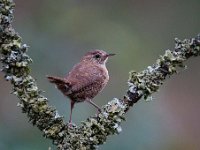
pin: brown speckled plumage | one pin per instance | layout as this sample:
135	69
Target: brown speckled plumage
86	79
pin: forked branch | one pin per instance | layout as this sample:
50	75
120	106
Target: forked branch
95	130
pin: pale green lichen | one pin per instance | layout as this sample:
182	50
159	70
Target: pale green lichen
148	81
15	66
95	130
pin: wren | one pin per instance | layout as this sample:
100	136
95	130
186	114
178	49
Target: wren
85	80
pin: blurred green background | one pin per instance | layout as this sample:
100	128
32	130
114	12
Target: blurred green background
60	32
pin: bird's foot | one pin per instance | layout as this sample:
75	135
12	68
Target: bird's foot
71	124
98	111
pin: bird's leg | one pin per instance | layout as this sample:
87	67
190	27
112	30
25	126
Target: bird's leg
95	105
72	106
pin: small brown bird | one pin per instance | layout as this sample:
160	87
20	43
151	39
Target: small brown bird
85	80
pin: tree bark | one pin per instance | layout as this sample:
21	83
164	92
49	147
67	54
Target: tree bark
94	130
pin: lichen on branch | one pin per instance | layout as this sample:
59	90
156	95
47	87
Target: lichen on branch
94	130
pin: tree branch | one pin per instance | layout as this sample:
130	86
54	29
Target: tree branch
95	130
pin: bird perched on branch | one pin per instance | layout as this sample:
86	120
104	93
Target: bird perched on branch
85	80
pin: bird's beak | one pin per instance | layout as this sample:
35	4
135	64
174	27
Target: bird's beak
108	55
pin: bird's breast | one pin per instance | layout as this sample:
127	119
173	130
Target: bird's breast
90	82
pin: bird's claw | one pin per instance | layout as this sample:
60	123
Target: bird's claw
71	124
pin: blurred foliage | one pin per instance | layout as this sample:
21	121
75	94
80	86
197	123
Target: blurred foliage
60	32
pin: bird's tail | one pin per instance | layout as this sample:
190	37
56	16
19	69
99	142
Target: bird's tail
56	80
61	83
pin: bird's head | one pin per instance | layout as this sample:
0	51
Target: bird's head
97	56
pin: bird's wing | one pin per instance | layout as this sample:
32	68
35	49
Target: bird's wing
83	75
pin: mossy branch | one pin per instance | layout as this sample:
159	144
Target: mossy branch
95	130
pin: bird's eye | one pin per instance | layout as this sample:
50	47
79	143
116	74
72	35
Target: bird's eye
97	56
